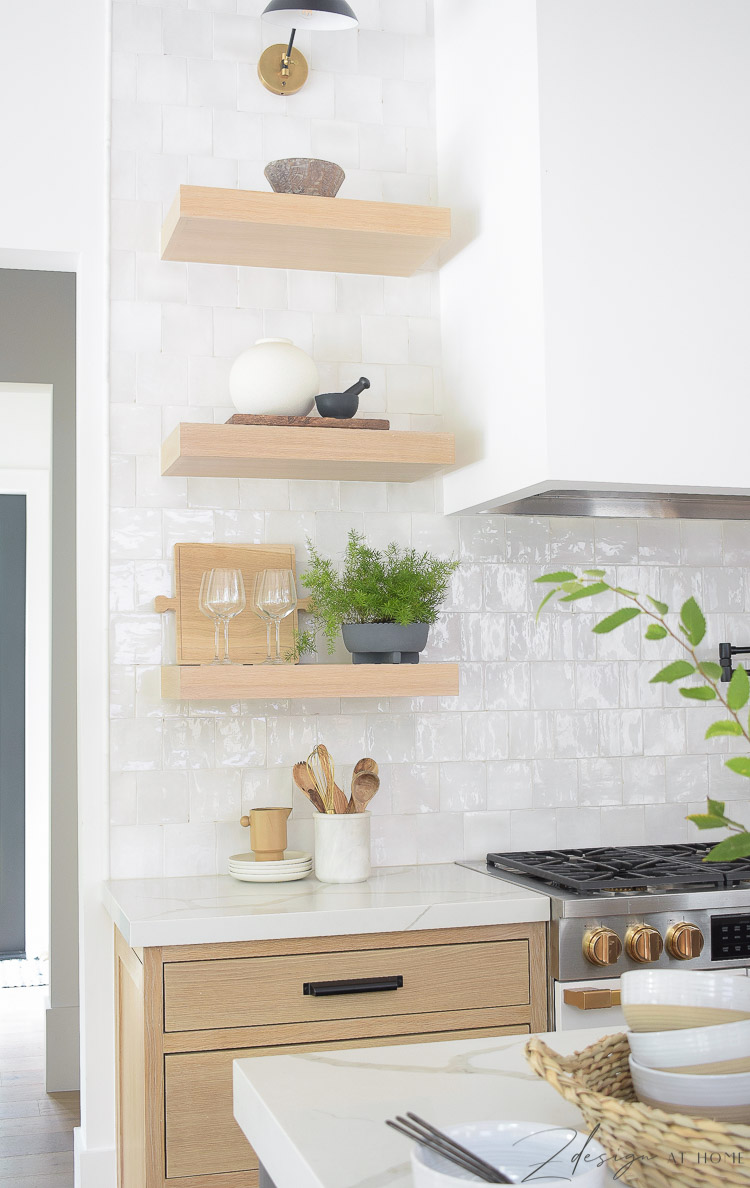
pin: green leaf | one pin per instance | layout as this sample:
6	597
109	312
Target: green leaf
739	689
700	693
706	821
547	596
673	672
627	593
727	726
662	607
709	669
692	621
616	620
724	727
586	592
715	807
737	846
564	575
741	764
599	573
571	587
656	631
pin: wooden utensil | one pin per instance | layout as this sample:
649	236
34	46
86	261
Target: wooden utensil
321	770
366	767
305	784
364	788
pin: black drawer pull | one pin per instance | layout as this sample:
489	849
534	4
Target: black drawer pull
351	986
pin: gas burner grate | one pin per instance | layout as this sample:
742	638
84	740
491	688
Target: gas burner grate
612	869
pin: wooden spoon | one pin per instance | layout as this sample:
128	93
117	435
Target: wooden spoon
364	787
366	767
302	780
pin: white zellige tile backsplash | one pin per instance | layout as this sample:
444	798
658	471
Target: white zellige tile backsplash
556	736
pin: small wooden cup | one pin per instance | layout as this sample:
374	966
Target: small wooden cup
267	833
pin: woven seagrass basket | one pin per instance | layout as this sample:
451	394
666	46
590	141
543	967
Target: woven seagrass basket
648	1148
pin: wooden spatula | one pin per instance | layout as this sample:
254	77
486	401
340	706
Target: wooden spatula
305	784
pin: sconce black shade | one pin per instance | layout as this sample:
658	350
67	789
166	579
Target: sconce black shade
323	15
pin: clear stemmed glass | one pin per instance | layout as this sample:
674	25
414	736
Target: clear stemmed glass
277	597
205	579
225	598
262	613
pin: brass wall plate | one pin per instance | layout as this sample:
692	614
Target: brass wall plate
270	66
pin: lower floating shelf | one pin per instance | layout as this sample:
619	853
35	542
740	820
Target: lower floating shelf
215	682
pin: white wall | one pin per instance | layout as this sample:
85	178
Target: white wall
626	218
54	70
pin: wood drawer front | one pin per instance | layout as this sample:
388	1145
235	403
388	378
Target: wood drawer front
204	995
201	1134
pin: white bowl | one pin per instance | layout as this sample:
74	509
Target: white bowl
723	1098
670	999
702	1051
517	1149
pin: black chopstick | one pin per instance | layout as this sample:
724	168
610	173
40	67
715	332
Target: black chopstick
423	1132
444	1151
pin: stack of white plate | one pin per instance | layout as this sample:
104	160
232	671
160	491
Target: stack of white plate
295	864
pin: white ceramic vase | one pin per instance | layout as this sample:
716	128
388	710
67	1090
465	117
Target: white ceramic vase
274	378
342	847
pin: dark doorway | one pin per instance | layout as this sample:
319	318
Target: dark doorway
12	724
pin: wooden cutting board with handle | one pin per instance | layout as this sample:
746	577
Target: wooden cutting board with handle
247	632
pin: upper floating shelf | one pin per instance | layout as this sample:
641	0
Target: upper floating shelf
270	451
218	682
248	227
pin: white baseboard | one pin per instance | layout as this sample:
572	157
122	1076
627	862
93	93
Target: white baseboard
93	1168
62	1051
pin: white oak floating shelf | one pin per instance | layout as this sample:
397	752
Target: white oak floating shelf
186	682
272	451
249	227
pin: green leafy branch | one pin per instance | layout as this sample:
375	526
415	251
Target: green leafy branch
572	587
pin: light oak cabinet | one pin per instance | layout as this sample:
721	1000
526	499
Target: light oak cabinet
185	1013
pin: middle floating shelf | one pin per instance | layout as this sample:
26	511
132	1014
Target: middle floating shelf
271	451
186	682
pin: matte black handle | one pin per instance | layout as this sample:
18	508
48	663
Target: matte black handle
351	986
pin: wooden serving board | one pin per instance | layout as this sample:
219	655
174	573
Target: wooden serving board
247	633
309	422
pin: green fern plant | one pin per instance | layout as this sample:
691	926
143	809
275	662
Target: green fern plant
395	585
703	678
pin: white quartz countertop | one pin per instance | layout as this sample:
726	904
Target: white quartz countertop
210	909
318	1120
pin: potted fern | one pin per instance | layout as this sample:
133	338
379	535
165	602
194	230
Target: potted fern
382	601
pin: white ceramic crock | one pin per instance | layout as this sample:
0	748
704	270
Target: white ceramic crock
342	847
274	378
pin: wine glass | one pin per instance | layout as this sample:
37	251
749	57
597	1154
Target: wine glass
225	598
205	579
277	597
262	614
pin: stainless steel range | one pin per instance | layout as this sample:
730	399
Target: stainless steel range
616	909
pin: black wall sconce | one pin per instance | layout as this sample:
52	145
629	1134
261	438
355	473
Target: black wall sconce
283	69
726	652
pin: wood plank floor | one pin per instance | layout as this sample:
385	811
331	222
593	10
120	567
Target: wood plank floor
36	1128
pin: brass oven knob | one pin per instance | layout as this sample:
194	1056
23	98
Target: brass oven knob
643	944
684	941
602	946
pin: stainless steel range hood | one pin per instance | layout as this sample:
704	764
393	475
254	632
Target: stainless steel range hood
662	504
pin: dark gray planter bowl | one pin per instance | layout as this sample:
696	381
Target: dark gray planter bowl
385	643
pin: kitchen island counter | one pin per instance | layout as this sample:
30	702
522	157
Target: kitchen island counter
317	1120
212	909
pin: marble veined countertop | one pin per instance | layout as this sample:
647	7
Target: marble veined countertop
318	1120
209	909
